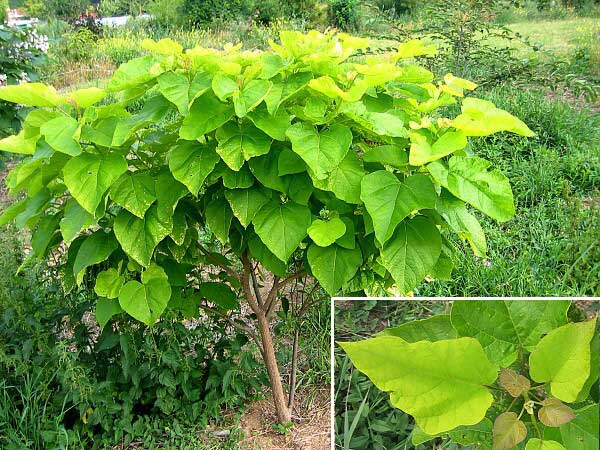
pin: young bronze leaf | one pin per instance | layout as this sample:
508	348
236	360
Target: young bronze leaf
555	413
508	431
514	383
442	384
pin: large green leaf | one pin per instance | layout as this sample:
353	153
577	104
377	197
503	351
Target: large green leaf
261	253
218	218
562	358
109	283
322	151
44	234
390	155
87	96
223	86
469	180
175	88
239	143
442	384
88	176
147	300
324	233
286	88
60	134
220	294
191	162
582	432
135	192
154	110
344	180
412	252
74	220
537	444
19	143
524	323
594	370
434	328
481	118
389	201
265	169
94	249
250	96
245	203
136	72
139	237
274	125
106	309
422	152
206	114
333	266
282	227
462	222
241	179
30	94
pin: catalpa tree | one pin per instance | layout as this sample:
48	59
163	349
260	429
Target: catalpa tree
311	158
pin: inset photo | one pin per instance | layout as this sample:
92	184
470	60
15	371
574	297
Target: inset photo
500	374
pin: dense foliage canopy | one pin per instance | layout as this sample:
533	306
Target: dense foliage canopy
318	155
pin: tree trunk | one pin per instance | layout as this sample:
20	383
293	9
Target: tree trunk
283	413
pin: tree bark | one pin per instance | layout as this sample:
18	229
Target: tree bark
283	412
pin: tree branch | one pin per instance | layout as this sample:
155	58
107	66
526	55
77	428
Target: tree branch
256	288
277	286
256	308
216	262
242	327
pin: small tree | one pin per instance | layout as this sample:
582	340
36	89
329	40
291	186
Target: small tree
245	171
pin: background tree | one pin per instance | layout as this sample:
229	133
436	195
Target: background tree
3	10
56	9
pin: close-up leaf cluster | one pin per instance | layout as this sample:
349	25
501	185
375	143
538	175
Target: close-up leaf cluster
495	375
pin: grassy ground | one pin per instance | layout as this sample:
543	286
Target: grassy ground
559	36
552	245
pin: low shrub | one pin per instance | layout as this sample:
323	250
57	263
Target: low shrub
66	385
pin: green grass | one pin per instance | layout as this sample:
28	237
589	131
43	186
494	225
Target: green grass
559	36
552	245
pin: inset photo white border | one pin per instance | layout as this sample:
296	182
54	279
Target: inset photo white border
414	299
